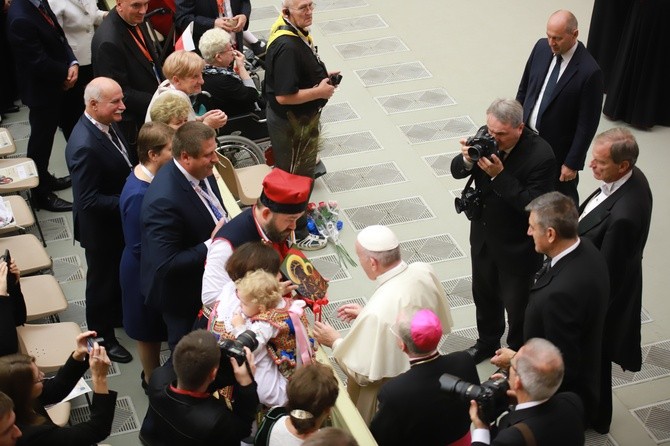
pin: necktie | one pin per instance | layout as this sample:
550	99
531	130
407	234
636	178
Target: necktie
203	187
546	266
549	89
117	143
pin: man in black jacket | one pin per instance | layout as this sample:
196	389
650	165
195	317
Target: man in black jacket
535	373
184	412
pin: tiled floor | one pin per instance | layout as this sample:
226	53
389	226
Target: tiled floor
416	78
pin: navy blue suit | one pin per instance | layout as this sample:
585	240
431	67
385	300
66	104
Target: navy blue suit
571	118
98	172
203	13
176	223
43	58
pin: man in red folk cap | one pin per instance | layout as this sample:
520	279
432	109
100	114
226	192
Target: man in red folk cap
412	409
272	220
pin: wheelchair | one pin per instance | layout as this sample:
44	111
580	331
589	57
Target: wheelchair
244	140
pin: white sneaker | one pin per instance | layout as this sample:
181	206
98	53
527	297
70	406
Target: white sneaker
311	243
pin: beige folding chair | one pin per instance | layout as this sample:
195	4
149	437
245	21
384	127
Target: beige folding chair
23	216
21	181
60	413
44	297
7	145
50	344
28	253
246	183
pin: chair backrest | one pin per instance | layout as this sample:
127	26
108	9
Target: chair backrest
227	172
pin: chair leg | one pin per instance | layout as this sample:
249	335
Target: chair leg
37	222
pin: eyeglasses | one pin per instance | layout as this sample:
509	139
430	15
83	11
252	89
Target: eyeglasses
305	8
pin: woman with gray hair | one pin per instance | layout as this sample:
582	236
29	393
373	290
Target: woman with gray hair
226	78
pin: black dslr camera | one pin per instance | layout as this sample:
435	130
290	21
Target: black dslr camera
482	145
234	348
491	396
469	203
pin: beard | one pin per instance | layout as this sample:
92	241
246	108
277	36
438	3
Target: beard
274	234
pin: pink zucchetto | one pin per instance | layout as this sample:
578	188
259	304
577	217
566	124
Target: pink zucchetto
426	330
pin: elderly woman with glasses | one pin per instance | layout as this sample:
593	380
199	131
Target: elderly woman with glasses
225	76
183	76
24	383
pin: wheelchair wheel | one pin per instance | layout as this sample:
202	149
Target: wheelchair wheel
241	151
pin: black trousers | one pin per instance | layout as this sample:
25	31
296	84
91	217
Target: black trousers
103	291
494	291
178	326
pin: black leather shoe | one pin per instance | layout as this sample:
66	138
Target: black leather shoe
480	352
320	170
60	183
118	353
52	202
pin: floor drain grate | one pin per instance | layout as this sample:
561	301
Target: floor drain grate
349	143
415	100
440	164
433	249
54	229
656	420
391	74
350	24
459	291
341	112
389	213
421	132
363	177
329	267
125	416
68	269
329	314
655	364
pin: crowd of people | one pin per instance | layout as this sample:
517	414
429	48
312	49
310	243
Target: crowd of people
169	263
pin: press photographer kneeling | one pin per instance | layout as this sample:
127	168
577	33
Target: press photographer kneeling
540	416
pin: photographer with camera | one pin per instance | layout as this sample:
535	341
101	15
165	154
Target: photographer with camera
516	167
184	411
540	416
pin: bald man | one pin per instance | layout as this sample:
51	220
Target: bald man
562	96
99	161
368	353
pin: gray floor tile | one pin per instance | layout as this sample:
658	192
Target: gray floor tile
264	12
433	249
459	291
338	112
329	267
348	144
390	74
19	130
440	164
331	5
421	132
68	268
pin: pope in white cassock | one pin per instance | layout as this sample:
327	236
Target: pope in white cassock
368	353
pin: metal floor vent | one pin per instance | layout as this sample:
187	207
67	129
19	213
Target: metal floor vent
330	312
391	74
112	371
68	269
373	47
75	312
54	229
656	420
645	317
339	112
19	130
329	267
17	155
421	132
440	164
351	24
456	192
338	371
433	249
593	438
459	291
125	416
349	143
655	364
415	100
364	177
389	213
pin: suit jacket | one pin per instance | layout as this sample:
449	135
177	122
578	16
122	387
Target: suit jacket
556	422
571	118
567	306
619	227
78	19
116	55
98	172
528	173
413	409
42	53
176	223
203	13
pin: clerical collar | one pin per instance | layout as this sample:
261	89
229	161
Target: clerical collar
423	359
400	267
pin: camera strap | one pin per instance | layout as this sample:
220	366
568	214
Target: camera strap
469	183
526	433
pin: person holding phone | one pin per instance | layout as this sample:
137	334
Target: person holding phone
12	305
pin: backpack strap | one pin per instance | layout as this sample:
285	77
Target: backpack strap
263	435
526	433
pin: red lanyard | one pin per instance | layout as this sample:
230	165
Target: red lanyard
222	7
140	43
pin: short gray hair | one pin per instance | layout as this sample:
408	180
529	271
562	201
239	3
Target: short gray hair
540	367
624	146
384	258
557	211
213	41
507	111
95	89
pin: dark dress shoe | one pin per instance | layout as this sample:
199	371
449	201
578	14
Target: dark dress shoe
52	202
60	183
320	170
481	352
118	353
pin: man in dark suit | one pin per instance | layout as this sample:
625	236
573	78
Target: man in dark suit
541	416
124	51
412	409
99	161
180	212
616	218
568	301
46	68
230	15
562	95
503	258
